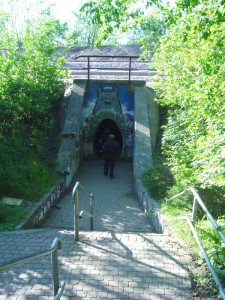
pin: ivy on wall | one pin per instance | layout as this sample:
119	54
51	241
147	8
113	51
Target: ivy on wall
93	121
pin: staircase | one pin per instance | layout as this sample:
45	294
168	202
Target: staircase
123	258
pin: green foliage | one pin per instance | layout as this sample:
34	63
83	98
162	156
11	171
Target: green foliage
31	75
93	122
158	179
31	68
153	26
85	31
213	245
208	236
133	17
190	60
193	67
214	199
22	173
111	15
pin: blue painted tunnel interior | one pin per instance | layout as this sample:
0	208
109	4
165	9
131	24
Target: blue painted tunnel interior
108	106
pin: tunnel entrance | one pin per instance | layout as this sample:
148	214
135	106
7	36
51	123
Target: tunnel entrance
113	129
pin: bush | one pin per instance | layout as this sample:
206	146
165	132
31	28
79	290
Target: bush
158	179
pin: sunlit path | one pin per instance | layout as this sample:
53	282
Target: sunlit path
121	259
116	206
103	265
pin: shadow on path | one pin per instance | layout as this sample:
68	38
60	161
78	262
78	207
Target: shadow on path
121	259
116	206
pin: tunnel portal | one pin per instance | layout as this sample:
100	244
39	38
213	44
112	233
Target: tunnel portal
113	129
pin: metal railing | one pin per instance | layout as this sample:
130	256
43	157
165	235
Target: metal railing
77	215
196	202
112	65
58	287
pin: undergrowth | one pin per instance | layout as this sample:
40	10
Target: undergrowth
23	174
11	216
161	186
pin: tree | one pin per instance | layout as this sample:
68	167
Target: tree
190	57
110	15
31	71
31	68
85	29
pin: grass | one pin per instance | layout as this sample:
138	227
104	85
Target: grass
11	216
23	172
30	182
24	175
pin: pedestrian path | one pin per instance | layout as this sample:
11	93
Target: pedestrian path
115	204
121	259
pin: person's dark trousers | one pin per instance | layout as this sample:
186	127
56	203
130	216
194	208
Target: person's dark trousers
109	165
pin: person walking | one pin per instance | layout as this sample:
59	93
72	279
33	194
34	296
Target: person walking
111	150
104	138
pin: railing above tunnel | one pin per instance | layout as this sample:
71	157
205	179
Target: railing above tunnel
117	67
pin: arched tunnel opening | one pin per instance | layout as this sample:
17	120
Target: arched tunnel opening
112	127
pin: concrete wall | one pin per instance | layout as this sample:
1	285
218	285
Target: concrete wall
70	152
142	142
153	116
146	128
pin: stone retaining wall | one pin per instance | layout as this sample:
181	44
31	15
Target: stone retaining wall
44	207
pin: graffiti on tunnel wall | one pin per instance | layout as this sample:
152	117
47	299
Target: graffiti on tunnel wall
108	101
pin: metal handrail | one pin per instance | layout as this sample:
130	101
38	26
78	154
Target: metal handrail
129	57
198	201
58	287
77	215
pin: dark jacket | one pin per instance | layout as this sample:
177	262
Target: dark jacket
104	138
111	149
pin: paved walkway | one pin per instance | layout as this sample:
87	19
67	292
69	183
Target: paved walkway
121	259
115	206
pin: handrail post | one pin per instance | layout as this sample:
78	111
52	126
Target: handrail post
129	68
198	201
55	271
76	217
91	212
58	288
194	210
88	68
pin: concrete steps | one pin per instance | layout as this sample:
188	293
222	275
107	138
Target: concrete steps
122	259
103	265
